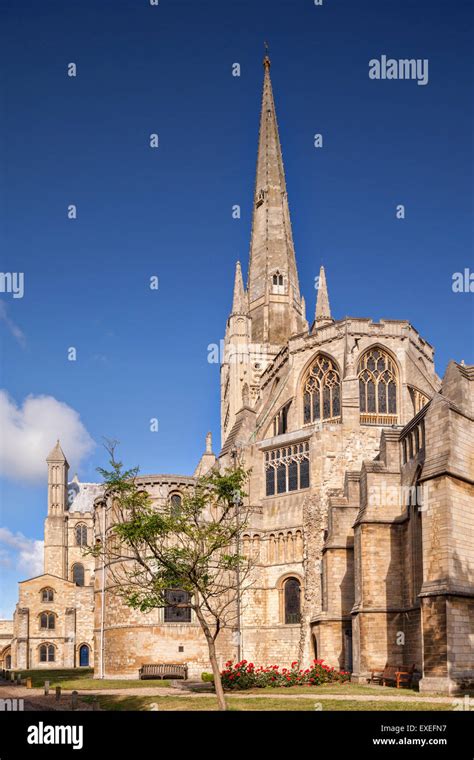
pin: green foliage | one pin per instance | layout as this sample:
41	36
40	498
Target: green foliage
192	548
244	675
207	677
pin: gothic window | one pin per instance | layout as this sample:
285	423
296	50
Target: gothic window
292	593
47	595
48	620
175	504
377	388
81	535
78	574
322	392
177	610
277	283
47	653
260	197
287	468
280	421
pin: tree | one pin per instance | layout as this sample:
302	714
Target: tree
194	548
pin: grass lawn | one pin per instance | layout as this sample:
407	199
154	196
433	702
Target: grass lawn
247	703
335	688
82	679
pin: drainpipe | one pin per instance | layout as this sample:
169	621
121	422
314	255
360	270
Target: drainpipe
102	611
237	502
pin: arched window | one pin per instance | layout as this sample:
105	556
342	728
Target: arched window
177	610
377	388
78	574
47	653
47	595
322	391
292	593
277	282
175	502
81	535
48	620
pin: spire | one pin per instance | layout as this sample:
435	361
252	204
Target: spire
57	454
273	287
323	310
239	305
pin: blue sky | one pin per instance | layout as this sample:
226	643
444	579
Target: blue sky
142	354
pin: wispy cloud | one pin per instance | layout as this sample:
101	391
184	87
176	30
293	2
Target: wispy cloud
16	331
22	553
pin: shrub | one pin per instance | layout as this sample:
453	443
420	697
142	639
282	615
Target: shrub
207	677
244	675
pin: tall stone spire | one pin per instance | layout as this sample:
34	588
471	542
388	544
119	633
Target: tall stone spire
239	303
323	310
273	289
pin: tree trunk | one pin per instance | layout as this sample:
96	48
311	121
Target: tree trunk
213	658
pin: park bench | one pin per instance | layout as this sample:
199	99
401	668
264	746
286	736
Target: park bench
393	674
168	670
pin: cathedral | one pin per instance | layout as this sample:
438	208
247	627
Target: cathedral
362	483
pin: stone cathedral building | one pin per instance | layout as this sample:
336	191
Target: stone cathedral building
362	477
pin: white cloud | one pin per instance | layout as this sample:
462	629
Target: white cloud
25	554
29	432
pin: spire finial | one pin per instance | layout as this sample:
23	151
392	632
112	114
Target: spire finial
266	59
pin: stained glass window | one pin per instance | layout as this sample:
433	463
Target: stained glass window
47	620
304	473
81	535
293	476
47	595
287	469
47	653
377	388
281	477
78	574
321	395
292	590
270	481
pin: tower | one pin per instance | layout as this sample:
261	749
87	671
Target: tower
271	309
55	523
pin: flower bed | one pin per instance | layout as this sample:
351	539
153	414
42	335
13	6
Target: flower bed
244	675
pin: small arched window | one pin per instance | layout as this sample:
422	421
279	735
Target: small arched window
277	283
78	574
175	502
377	388
47	653
48	620
292	594
322	392
81	535
47	595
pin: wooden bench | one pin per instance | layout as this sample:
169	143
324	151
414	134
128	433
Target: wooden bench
168	670
393	674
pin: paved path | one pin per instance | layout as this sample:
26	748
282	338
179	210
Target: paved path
34	699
